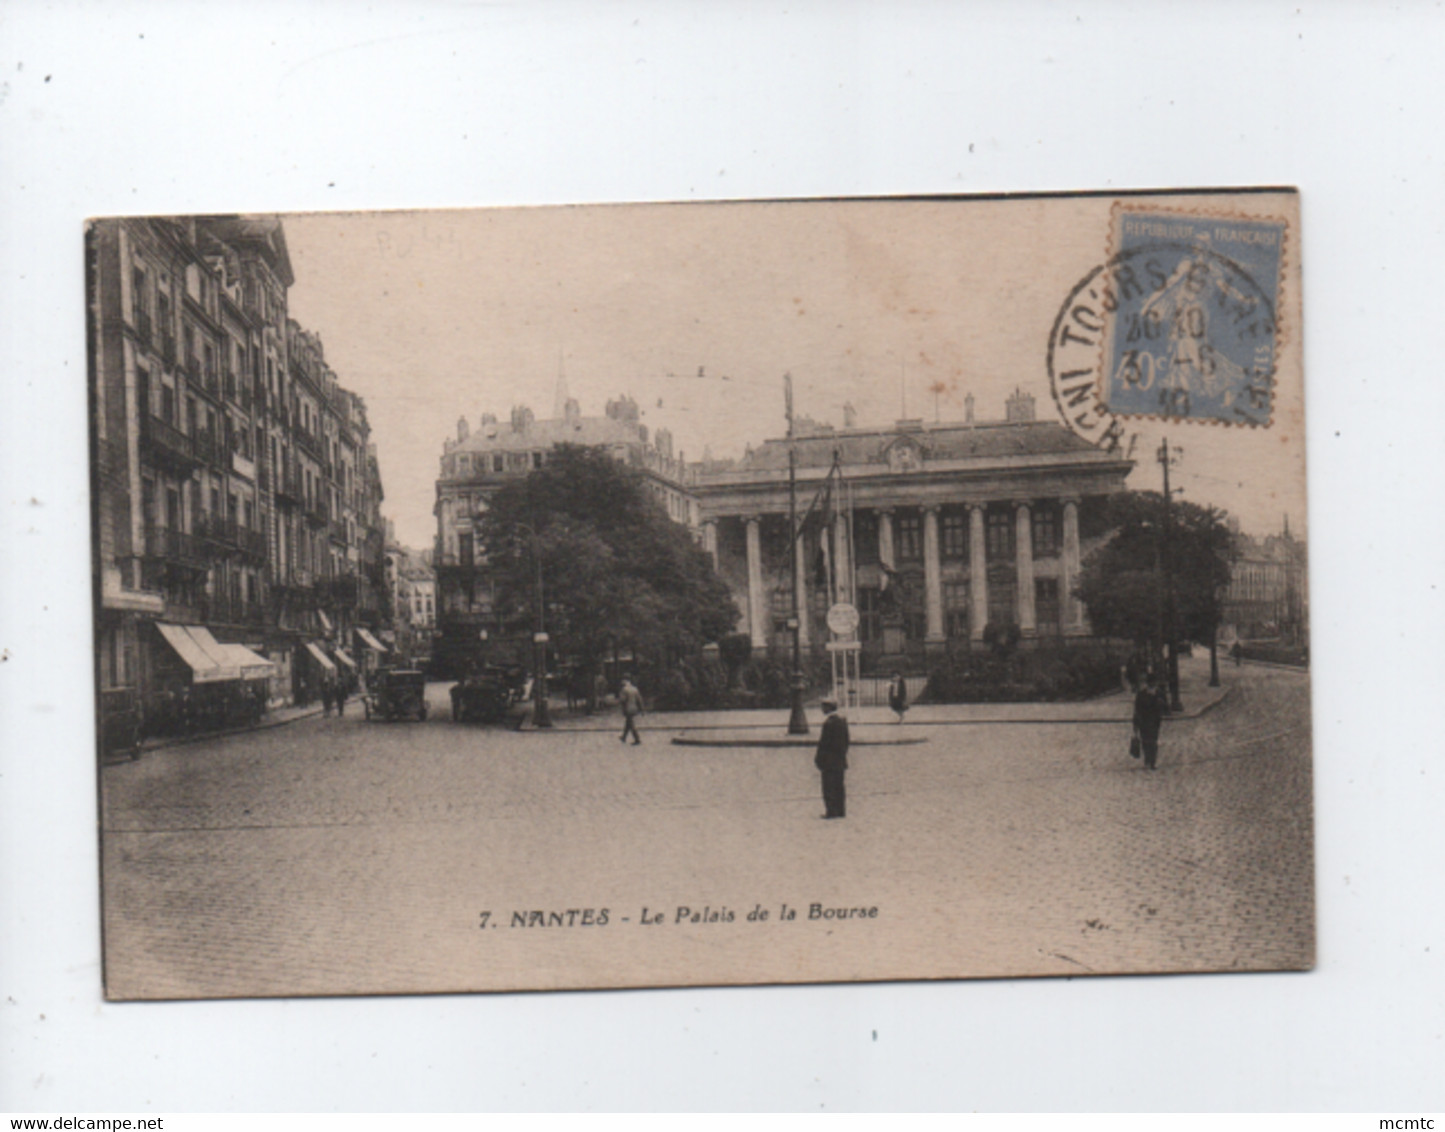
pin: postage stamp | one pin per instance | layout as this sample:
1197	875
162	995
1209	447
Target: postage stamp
1193	333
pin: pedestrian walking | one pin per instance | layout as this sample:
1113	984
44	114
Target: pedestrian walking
1238	653
631	700
325	697
831	760
898	695
341	693
1151	705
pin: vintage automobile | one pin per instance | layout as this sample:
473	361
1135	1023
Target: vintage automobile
486	696
396	693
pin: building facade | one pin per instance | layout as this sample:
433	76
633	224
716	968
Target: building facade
413	600
237	496
475	464
1267	597
932	531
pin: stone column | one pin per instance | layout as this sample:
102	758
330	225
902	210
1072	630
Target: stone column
932	577
977	572
709	540
885	538
757	626
800	576
1073	609
1024	565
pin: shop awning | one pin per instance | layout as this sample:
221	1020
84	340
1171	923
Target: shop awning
207	664
325	621
319	656
252	665
370	641
344	656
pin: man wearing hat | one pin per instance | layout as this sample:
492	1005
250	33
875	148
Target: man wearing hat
832	760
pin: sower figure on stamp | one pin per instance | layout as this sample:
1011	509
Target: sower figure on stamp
832	760
631	700
1151	705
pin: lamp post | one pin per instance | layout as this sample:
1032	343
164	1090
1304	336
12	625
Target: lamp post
797	717
542	712
1171	612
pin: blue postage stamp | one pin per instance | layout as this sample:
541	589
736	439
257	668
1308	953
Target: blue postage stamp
1194	333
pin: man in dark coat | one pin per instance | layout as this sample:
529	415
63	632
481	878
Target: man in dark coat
1151	705
898	695
832	760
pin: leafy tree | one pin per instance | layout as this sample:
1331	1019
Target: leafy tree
616	572
1121	582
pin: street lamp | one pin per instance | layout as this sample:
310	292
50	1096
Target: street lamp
797	717
542	713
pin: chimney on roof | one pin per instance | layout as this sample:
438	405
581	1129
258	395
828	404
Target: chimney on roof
623	409
1020	407
522	418
463	429
850	415
572	412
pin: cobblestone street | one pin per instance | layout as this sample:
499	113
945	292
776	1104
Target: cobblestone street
340	856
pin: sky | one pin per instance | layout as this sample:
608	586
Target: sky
900	308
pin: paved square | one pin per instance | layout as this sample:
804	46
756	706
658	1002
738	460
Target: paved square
339	856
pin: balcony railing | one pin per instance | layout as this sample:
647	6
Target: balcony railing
167	444
310	444
288	486
343	590
317	514
219	530
232	611
208	448
175	546
254	544
338	531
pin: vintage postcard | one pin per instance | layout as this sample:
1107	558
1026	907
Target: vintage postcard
701	594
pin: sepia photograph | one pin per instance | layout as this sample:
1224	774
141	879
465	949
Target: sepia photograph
700	594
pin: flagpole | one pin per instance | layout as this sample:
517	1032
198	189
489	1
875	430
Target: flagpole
797	717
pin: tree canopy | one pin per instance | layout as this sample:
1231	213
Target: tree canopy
616	571
1121	582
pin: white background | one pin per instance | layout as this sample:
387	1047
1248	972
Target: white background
125	107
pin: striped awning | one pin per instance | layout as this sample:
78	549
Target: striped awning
252	665
208	665
370	641
344	656
320	656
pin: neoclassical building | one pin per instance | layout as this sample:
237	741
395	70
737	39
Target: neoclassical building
932	530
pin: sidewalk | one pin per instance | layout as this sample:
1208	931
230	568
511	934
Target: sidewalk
1115	708
275	717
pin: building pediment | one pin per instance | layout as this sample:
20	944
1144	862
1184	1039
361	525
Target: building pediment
904	454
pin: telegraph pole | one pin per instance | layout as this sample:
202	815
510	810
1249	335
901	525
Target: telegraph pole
1171	617
797	717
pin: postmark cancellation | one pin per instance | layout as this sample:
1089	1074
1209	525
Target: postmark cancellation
1180	323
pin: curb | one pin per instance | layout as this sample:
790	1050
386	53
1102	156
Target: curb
743	741
182	740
